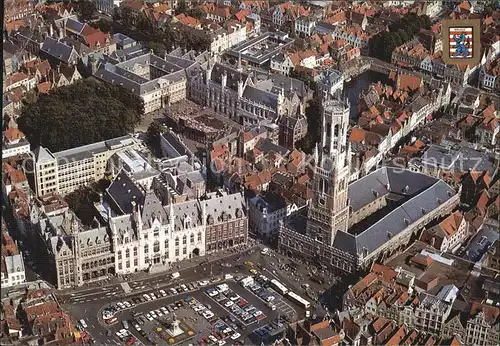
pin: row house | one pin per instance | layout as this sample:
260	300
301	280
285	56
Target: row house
14	57
488	128
489	76
354	36
449	234
305	25
388	293
18	9
187	21
20	79
223	38
218	13
409	54
287	13
285	63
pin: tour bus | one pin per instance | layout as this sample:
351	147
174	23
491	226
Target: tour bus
278	286
299	300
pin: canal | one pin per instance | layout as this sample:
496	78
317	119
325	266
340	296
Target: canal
357	85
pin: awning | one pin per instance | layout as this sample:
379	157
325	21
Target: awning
77	335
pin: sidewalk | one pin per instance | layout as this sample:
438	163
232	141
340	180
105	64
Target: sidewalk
181	266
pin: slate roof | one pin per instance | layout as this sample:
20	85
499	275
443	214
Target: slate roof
261	96
74	26
122	192
57	49
122	40
121	73
93	237
422	193
42	155
233	75
266	145
461	160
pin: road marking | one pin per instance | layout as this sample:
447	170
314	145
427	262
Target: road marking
88	295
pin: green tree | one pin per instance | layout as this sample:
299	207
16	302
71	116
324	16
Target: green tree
127	17
82	200
181	7
103	24
313	115
153	137
82	113
158	48
85	9
196	12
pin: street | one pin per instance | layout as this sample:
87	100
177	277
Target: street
89	302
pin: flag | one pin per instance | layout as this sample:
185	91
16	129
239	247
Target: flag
456	45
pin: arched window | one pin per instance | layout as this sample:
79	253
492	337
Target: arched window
127	253
336	130
191	238
135	251
156	246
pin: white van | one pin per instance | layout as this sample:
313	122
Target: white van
83	323
175	275
265	251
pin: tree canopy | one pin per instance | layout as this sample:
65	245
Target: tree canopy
103	24
79	114
164	38
382	45
85	9
82	200
313	115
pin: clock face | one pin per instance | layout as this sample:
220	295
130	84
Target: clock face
322	202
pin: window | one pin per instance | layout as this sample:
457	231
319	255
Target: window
184	251
156	246
166	245
184	240
176	252
199	236
177	241
135	252
119	255
191	239
120	266
156	232
146	248
127	253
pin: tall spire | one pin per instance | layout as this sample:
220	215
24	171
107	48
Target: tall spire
239	62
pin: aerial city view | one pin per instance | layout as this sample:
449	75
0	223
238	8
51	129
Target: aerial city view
231	172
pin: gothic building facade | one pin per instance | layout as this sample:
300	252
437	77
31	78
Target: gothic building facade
351	226
248	95
148	236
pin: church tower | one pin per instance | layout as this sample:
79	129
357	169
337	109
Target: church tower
329	209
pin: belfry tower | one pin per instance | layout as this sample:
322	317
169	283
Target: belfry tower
329	209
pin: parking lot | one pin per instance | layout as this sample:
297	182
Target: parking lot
212	313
